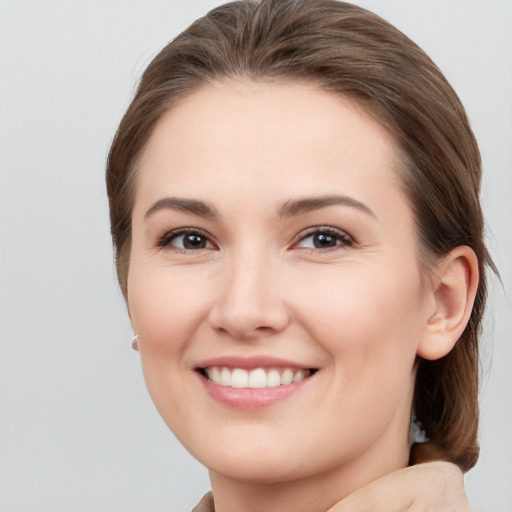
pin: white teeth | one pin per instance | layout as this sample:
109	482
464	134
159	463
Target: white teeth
239	378
273	379
256	379
225	377
300	375
287	377
214	374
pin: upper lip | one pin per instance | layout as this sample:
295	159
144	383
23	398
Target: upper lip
250	363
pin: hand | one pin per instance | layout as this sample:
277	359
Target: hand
430	487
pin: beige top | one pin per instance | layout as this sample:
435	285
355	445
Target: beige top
206	504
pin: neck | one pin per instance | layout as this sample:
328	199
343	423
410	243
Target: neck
315	493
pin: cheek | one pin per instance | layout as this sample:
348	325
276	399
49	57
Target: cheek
165	307
368	321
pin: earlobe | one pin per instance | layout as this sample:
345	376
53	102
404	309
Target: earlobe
454	288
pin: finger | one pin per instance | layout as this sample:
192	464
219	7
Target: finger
434	486
378	496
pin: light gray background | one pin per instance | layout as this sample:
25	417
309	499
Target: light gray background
77	429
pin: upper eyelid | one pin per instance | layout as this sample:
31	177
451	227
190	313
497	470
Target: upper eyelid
169	235
165	239
315	229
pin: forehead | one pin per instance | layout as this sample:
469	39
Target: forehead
290	138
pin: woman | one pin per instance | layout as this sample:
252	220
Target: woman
294	208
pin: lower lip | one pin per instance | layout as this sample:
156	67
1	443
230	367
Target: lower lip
251	398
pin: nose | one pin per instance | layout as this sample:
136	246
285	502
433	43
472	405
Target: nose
249	303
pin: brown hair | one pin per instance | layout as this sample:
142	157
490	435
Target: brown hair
346	50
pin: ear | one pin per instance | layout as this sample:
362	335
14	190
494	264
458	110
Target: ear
454	284
135	338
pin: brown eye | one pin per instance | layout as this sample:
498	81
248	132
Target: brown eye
186	240
325	238
321	240
192	241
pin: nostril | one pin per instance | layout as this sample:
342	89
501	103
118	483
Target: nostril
246	322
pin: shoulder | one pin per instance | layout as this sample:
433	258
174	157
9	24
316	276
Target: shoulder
206	504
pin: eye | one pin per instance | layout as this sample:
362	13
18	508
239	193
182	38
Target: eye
324	238
186	239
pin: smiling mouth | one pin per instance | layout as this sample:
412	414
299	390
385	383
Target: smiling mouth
258	378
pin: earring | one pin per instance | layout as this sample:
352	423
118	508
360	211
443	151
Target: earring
416	434
135	342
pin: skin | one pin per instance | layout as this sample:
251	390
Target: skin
424	487
358	310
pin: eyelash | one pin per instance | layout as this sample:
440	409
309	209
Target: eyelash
166	240
342	239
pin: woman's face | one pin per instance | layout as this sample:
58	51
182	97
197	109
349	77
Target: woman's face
272	242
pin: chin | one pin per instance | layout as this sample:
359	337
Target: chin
257	472
253	464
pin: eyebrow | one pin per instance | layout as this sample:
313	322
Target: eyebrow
184	205
289	209
299	206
